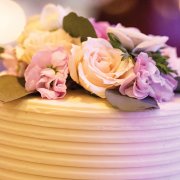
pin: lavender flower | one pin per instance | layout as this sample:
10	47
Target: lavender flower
148	81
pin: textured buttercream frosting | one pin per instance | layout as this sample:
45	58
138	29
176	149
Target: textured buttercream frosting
84	137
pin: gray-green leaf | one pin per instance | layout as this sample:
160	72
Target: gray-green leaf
78	26
125	103
11	88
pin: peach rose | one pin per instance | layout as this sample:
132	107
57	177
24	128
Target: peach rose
96	66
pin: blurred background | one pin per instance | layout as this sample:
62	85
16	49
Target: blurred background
158	17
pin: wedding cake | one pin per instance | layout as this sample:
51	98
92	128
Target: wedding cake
108	107
83	137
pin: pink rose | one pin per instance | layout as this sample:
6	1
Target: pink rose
100	28
148	81
47	73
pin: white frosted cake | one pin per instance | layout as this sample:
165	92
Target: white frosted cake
72	134
83	137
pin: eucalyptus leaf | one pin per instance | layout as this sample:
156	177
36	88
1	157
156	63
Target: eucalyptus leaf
126	103
178	86
11	88
78	26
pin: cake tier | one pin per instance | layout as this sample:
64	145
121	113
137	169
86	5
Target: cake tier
83	137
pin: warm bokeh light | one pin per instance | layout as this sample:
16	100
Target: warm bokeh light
12	21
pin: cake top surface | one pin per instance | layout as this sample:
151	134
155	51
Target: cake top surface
79	103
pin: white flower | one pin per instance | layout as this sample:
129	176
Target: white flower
132	39
52	16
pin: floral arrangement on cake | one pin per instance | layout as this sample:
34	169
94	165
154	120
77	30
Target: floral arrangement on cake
59	50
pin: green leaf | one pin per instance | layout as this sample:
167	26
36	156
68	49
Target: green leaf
11	88
161	62
78	26
115	42
1	49
126	103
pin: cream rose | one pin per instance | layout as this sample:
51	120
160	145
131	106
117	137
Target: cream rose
38	33
51	18
38	40
33	24
132	39
96	66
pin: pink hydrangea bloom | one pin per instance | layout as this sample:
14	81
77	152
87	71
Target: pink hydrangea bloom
148	81
100	28
47	73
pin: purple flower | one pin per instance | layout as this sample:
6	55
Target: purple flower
100	28
47	73
148	81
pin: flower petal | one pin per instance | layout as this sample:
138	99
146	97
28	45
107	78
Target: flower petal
153	44
99	91
76	57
